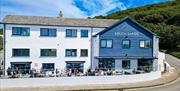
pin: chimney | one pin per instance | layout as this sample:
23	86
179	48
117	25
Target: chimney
61	14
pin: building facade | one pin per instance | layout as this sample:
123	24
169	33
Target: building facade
63	43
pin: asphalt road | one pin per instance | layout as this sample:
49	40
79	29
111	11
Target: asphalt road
173	86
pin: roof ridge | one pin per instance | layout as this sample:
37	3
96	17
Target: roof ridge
60	17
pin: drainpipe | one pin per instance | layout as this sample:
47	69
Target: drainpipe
91	44
4	37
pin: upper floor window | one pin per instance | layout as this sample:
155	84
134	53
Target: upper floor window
52	32
71	32
48	52
145	44
84	33
106	43
20	52
71	52
21	31
126	44
84	52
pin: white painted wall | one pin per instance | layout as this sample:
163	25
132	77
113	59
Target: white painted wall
161	58
36	42
74	81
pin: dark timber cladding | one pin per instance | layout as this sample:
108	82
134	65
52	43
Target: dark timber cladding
126	30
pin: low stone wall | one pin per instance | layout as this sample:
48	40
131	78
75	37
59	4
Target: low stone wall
77	81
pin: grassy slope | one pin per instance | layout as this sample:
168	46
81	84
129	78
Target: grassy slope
163	19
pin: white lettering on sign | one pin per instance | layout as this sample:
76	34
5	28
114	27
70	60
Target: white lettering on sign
124	33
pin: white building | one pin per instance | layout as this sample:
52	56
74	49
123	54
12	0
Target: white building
65	43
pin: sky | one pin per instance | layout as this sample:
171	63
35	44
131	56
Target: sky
70	8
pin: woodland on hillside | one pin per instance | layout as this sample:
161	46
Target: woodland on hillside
162	19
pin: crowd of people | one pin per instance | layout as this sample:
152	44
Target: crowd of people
16	72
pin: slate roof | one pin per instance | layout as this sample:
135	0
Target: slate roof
57	21
122	20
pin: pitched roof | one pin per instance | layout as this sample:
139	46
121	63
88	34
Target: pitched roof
57	21
119	22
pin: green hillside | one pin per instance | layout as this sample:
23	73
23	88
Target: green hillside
163	19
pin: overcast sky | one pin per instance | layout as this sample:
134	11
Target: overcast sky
70	8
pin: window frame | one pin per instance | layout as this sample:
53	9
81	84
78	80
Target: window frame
129	44
106	43
21	31
145	43
71	33
129	66
48	30
83	50
86	31
13	52
48	54
71	52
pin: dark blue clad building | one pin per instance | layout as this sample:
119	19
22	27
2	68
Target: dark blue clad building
125	45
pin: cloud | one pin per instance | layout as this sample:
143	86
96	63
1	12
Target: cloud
70	8
99	7
41	8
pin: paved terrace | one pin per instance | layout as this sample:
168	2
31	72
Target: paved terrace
167	77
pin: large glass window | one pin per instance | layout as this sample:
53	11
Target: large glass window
20	52
145	64
71	33
126	64
84	33
145	44
71	52
21	31
48	66
23	67
126	44
48	32
48	52
106	43
84	52
75	66
106	63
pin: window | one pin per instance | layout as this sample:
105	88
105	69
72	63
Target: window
71	33
126	44
48	66
84	33
51	32
48	52
71	52
106	63
106	43
74	66
145	44
20	52
84	52
24	67
21	31
126	64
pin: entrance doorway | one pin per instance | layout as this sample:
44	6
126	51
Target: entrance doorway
75	66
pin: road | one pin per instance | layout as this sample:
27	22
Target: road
173	86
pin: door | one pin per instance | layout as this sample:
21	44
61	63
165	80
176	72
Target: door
75	66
